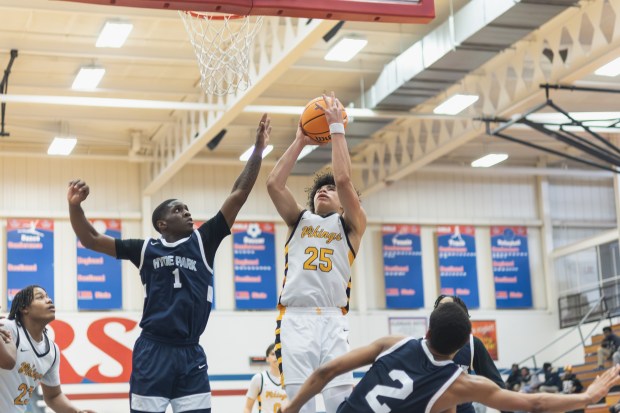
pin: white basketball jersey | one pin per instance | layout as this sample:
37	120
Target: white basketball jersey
318	263
35	363
271	397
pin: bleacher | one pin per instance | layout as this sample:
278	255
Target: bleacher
587	372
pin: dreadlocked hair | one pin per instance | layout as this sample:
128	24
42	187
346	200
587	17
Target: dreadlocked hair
455	299
320	180
22	299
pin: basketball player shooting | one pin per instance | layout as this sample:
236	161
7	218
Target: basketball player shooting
177	274
418	375
312	328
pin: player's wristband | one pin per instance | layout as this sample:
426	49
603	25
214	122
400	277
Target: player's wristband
336	128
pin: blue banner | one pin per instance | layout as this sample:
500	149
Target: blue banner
511	267
99	281
402	266
254	265
456	247
29	255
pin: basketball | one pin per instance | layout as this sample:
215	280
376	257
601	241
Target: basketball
313	121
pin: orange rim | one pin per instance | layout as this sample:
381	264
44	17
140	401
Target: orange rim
209	16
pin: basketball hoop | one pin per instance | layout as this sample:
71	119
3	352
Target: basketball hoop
222	45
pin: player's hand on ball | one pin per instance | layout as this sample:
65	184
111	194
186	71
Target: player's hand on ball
305	139
333	109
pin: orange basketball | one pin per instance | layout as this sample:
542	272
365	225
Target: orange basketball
313	121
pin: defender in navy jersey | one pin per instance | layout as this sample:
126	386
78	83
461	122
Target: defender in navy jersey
473	357
409	375
169	366
312	327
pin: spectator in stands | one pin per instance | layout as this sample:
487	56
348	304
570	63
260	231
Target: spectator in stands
552	383
609	346
529	381
570	383
513	382
615	408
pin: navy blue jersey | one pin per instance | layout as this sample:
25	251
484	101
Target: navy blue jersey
178	281
464	358
406	378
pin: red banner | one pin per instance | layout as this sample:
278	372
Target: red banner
486	331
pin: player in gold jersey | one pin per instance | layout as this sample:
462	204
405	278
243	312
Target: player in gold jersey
312	328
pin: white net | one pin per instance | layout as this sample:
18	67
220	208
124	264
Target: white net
222	45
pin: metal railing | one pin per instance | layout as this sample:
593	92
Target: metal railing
573	307
600	303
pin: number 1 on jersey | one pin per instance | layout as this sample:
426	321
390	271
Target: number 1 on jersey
177	278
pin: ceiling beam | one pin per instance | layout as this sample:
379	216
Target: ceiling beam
507	82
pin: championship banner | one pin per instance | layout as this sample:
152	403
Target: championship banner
402	266
486	331
456	248
29	255
254	265
511	267
99	281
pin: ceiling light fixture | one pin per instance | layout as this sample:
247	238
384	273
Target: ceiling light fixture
306	151
61	146
246	155
489	160
114	34
88	78
456	104
611	69
345	49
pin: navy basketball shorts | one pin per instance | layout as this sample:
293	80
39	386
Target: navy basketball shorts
165	374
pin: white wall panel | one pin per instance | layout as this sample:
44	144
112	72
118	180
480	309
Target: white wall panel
452	198
575	199
38	187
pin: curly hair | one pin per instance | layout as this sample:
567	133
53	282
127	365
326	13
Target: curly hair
449	328
455	299
320	180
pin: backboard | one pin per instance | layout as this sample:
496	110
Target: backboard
390	11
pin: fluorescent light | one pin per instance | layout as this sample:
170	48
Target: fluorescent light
61	146
611	69
246	155
306	150
489	160
88	78
345	49
114	34
456	104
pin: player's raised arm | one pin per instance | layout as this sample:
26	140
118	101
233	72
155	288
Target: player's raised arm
245	182
280	194
89	237
487	393
354	215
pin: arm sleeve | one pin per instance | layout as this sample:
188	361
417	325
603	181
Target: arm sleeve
129	249
484	365
52	376
254	389
212	233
